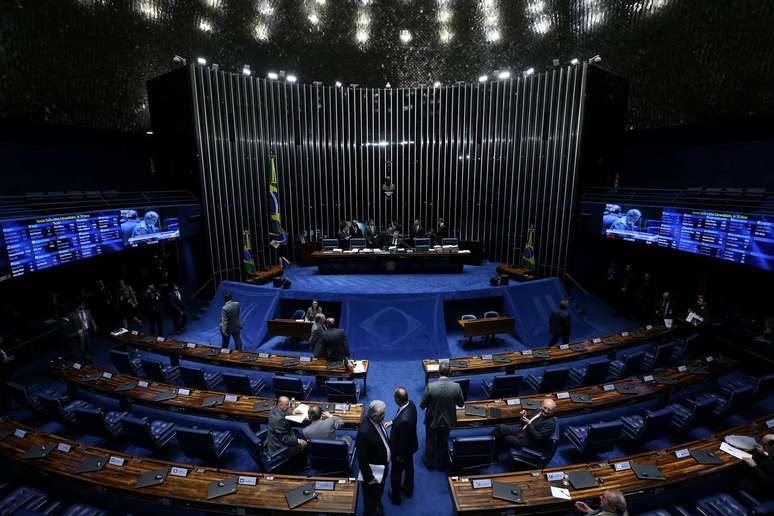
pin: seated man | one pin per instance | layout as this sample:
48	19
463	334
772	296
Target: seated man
759	482
315	341
323	425
280	433
612	502
334	341
533	432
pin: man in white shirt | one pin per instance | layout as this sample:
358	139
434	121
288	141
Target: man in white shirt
83	325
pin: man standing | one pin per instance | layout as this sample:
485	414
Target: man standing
315	341
559	324
534	432
230	325
83	326
373	450
334	341
665	310
280	434
611	503
179	315
323	426
440	402
153	310
403	445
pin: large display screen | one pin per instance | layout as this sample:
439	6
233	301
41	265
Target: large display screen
736	237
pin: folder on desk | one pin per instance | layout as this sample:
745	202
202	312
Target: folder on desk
530	404
152	478
610	341
213	401
334	365
507	492
582	479
625	388
220	488
128	386
148	338
705	457
458	363
91	377
291	362
541	354
697	370
327	407
5	433
472	410
248	357
665	380
38	452
177	345
579	348
263	405
580	397
495	413
164	396
300	495
502	359
210	352
91	463
647	472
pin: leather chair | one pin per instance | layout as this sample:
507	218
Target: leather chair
291	387
61	406
737	398
592	373
721	504
659	358
464	384
761	386
652	425
595	438
298	314
329	457
242	384
269	462
629	364
342	391
491	313
471	452
22	396
198	378
693	412
502	386
80	509
687	347
537	459
157	372
552	379
125	364
23	499
95	421
202	443
153	435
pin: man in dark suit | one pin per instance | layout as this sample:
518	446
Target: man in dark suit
440	402
403	445
280	433
343	236
395	240
315	341
441	231
417	231
152	302
665	309
230	325
760	481
334	341
373	449
83	326
372	234
179	315
354	229
559	324
534	432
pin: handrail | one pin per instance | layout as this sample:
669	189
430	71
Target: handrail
33	339
576	283
203	287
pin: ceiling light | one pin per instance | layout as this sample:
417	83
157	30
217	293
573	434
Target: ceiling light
596	59
528	72
314	19
388	85
148	132
446	35
574	61
178	59
272	75
493	35
261	32
291	78
405	36
338	84
483	78
505	74
201	61
361	35
246	70
437	84
215	67
444	15
205	26
265	8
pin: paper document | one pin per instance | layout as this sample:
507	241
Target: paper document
377	470
559	492
734	452
300	413
359	366
668	323
694	318
433	367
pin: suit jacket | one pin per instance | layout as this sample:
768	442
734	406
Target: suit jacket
310	313
229	318
280	434
559	324
764	469
538	433
440	402
403	434
416	231
323	428
77	322
354	231
665	310
400	242
334	342
370	448
315	341
176	304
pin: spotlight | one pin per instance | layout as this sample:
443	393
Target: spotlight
246	70
505	74
483	78
149	132
291	78
215	67
201	61
555	63
272	75
437	84
178	59
388	85
528	72
405	36
338	84
574	61
596	59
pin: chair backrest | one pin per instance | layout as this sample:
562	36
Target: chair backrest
764	385
602	437
52	402
473	452
663	354
506	385
596	372
551	446
21	395
468	317
237	383
196	442
329	456
632	363
464	384
123	362
656	423
298	314
329	244
154	370
357	243
491	313
341	391
702	409
690	344
554	378
740	397
449	241
193	377
287	385
138	430
90	419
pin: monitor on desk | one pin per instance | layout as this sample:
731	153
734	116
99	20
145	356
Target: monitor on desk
357	243
449	241
329	244
421	244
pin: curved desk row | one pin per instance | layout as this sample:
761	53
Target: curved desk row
676	465
594	398
180	350
181	484
513	360
237	407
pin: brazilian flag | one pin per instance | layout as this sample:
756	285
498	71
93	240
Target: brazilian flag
278	235
247	256
528	257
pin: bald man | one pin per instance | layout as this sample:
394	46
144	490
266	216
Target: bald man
611	503
280	433
760	482
534	432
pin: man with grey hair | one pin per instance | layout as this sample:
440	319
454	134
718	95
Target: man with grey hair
323	425
373	456
440	402
611	503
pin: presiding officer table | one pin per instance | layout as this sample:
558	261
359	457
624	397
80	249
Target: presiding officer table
293	328
186	485
382	262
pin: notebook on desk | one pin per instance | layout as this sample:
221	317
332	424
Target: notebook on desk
647	472
507	492
472	410
530	404
300	495
152	478
165	396
580	397
582	479
91	463
128	386
706	457
261	406
220	488
625	388
213	401
290	362
38	452
541	354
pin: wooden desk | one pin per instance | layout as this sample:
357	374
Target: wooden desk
515	272
265	276
289	328
536	489
430	262
515	360
601	399
239	410
487	326
178	350
190	492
